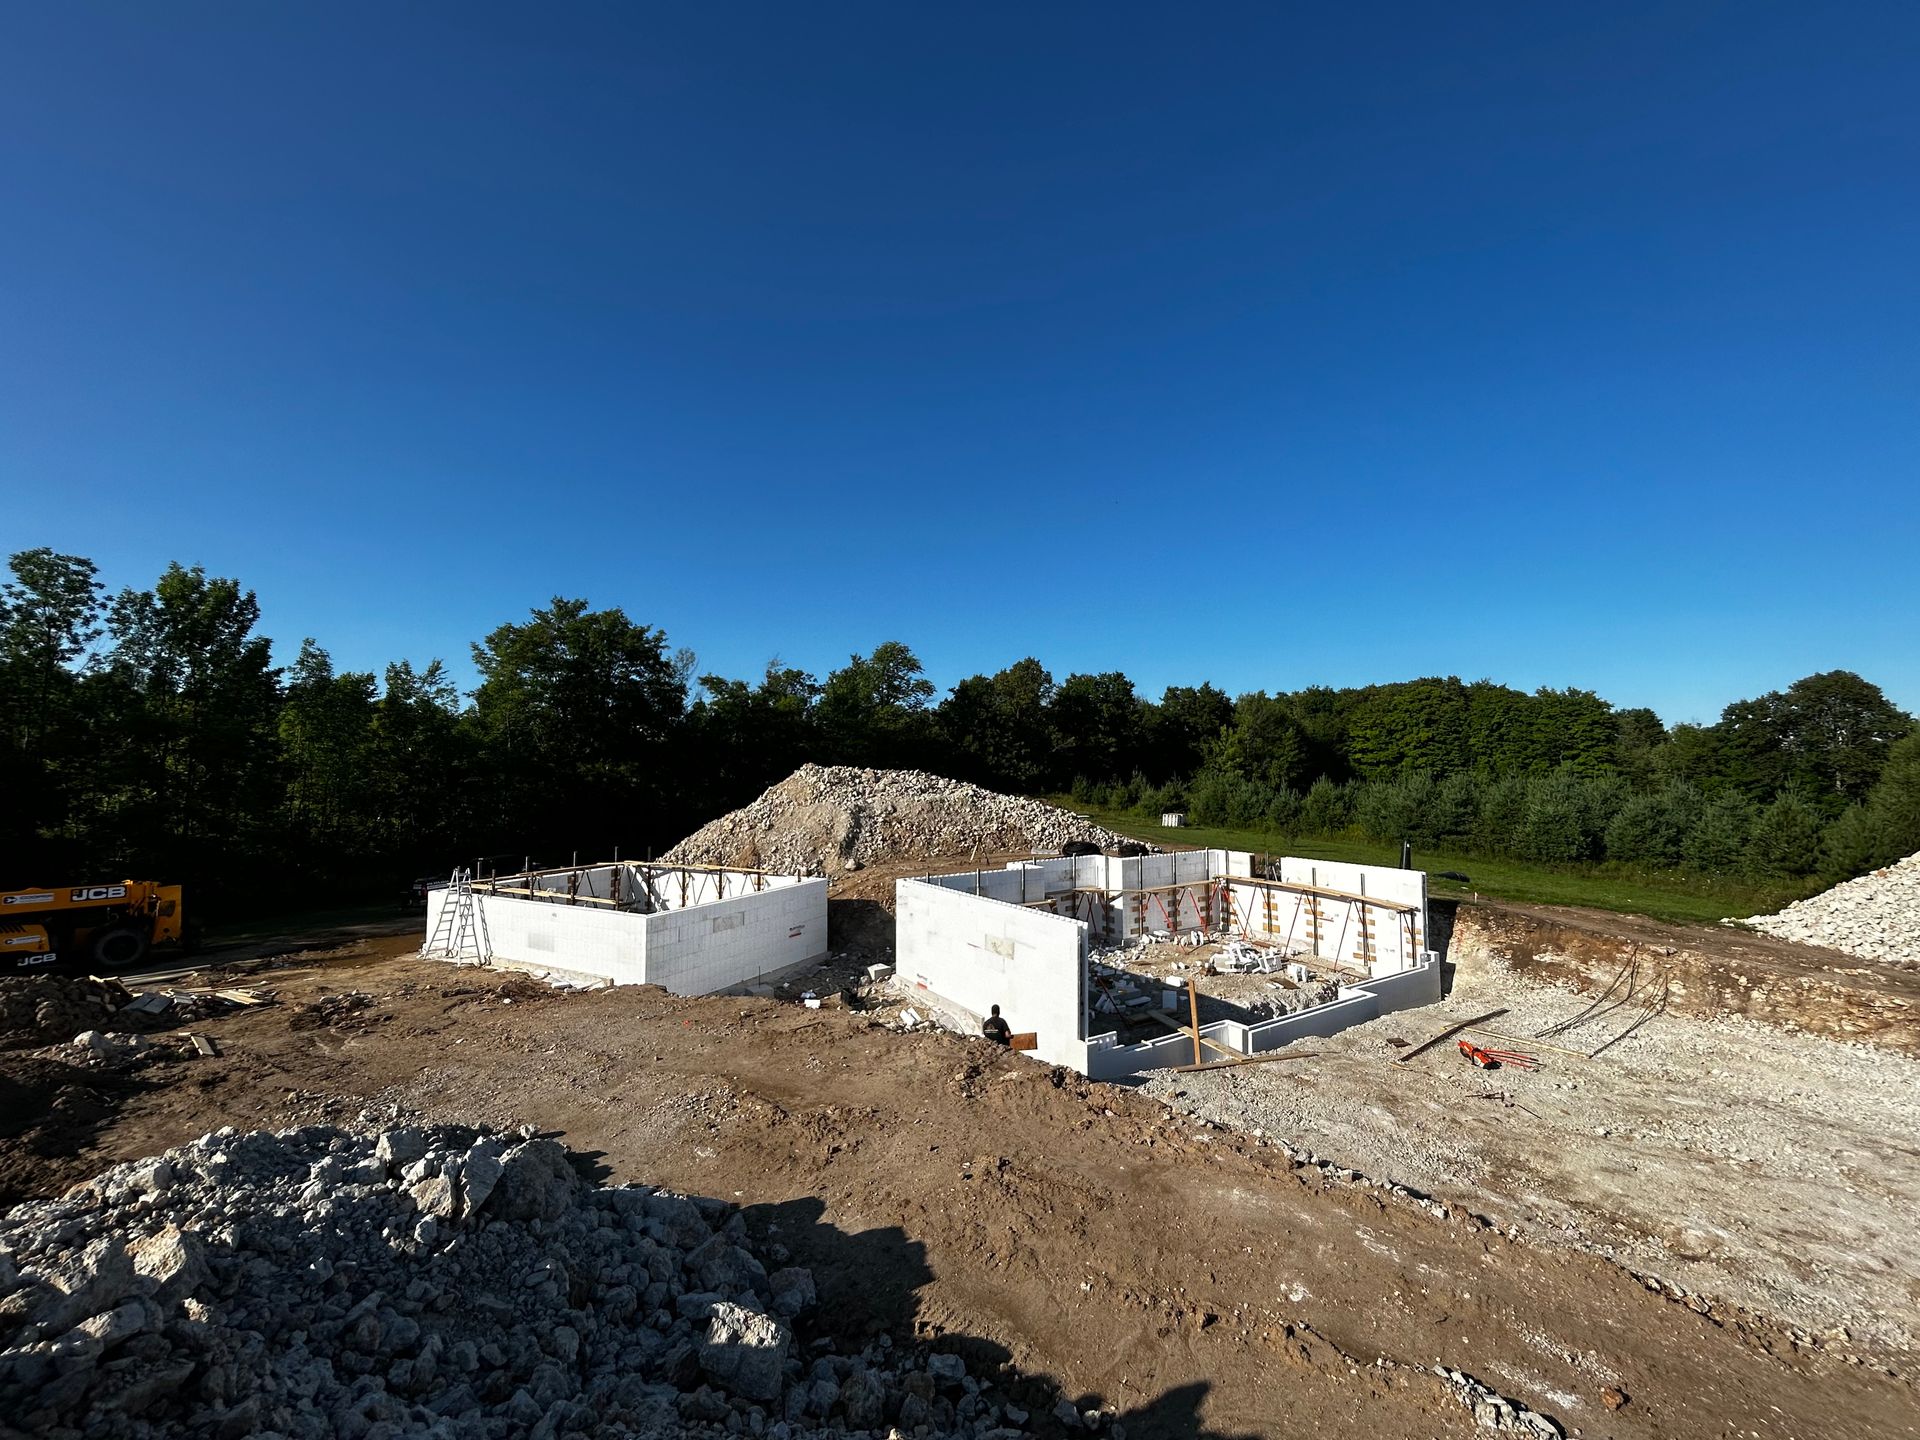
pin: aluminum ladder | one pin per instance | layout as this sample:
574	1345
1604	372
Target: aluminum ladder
460	929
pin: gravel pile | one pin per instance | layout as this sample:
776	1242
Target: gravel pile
1876	917
824	819
38	1010
438	1281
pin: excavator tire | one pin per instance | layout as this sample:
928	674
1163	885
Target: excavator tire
118	948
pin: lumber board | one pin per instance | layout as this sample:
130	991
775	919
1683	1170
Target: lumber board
1174	1025
204	1044
1448	1033
1320	890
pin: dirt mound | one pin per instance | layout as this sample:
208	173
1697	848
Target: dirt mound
37	1010
826	819
1876	917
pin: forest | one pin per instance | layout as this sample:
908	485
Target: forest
149	733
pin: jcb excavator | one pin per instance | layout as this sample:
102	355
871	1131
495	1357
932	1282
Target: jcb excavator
98	927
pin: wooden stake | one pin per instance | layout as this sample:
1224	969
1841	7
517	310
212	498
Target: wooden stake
1193	1005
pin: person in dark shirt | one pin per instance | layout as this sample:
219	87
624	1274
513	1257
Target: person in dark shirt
996	1029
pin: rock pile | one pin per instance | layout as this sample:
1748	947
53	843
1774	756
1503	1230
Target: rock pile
1876	917
825	819
439	1281
37	1010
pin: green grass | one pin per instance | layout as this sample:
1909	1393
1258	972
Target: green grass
1662	894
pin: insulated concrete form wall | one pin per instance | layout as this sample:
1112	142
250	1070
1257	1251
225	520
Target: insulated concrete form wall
988	936
975	951
587	939
737	942
1372	938
713	946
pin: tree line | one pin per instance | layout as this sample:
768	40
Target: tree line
150	733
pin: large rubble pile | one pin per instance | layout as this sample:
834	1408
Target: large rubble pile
38	1010
1876	917
438	1281
824	819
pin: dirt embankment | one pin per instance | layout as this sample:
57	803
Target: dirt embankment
1695	971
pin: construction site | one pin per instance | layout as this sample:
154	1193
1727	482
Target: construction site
699	1146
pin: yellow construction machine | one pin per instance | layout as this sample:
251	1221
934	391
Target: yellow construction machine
92	927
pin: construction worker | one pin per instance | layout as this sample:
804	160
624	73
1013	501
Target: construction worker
996	1029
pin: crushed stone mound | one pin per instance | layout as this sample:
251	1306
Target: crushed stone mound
441	1281
1875	917
40	1010
824	819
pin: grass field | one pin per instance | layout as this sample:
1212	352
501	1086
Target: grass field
1665	895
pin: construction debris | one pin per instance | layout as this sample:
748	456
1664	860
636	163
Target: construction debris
441	1280
1876	917
39	1010
829	819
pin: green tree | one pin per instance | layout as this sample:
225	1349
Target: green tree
326	729
49	617
1575	729
421	772
744	738
1885	827
1421	725
1327	808
1264	746
1097	724
576	714
996	727
1785	838
1180	727
1637	751
1651	828
873	710
1717	842
1840	730
189	753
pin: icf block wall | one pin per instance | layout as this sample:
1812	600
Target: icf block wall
726	943
976	953
568	937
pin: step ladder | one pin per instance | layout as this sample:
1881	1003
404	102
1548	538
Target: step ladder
460	929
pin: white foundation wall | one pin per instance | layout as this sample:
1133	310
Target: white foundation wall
1107	1059
582	938
976	952
742	941
716	946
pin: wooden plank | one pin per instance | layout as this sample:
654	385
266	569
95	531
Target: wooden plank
1177	1028
1025	1040
1320	891
1245	1060
1193	1005
204	1044
1448	1033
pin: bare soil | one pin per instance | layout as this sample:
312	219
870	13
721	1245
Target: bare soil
1195	1280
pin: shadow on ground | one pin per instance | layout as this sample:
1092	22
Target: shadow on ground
869	1285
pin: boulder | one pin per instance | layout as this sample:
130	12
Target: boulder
744	1351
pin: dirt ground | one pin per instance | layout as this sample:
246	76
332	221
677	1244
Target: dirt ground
1777	1171
1191	1279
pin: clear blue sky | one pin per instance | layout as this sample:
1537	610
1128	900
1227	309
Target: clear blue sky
1273	346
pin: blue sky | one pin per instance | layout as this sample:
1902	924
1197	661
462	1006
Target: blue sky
1272	346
